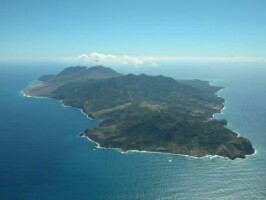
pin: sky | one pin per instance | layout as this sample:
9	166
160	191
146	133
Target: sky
133	31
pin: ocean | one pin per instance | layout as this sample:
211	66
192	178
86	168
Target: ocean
43	157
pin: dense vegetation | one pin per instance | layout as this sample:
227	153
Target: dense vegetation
140	112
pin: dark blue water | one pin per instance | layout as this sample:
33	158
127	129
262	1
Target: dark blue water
42	157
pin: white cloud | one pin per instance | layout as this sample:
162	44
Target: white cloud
136	61
154	61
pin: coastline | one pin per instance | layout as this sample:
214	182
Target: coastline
61	101
222	112
22	92
210	157
98	146
218	95
223	109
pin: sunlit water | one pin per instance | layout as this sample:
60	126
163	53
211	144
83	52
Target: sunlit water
42	157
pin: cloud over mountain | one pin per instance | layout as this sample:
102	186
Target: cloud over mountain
136	61
155	61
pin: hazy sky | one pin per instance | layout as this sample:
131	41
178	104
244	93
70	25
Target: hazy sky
191	28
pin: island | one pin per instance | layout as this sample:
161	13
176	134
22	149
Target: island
146	113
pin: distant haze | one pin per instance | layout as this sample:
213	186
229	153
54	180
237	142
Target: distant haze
133	32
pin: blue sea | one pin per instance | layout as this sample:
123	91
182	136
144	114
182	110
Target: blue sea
42	157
